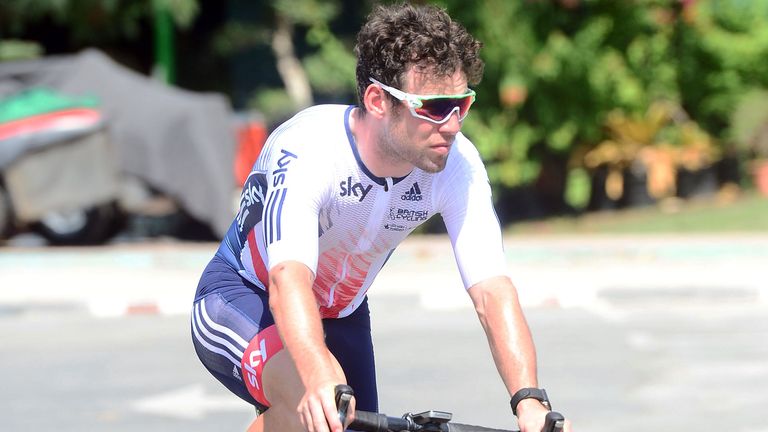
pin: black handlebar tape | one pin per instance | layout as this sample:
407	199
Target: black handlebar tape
344	395
370	422
458	427
375	422
554	422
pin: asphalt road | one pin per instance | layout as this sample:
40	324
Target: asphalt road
632	335
635	368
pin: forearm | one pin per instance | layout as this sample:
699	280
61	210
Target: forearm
296	314
509	337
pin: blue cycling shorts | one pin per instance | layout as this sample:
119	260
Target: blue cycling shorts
230	312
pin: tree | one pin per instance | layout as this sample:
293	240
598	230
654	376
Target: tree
311	56
80	23
722	49
554	70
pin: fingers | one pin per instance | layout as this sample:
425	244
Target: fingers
312	415
567	426
332	414
318	413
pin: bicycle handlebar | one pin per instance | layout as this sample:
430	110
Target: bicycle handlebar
373	422
427	422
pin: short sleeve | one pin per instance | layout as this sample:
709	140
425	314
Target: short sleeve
465	202
296	191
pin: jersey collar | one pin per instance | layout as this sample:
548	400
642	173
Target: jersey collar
353	145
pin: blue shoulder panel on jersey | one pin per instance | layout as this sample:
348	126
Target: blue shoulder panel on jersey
248	215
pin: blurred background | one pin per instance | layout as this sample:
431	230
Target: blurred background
626	142
146	115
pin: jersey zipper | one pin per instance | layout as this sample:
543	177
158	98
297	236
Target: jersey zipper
377	214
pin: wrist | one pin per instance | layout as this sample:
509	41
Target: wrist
528	405
529	398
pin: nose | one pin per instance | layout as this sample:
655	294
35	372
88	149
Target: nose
452	125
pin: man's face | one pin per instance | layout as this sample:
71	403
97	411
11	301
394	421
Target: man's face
419	142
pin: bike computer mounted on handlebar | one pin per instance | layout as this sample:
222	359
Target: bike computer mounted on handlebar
431	417
428	421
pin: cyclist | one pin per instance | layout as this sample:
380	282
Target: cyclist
281	313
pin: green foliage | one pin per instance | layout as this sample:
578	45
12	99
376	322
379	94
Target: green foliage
183	12
307	12
273	103
505	148
749	124
328	61
11	49
331	68
555	70
555	73
722	55
92	22
236	36
743	214
578	190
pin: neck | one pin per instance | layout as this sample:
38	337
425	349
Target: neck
367	132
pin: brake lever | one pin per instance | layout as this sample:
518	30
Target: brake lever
554	422
344	394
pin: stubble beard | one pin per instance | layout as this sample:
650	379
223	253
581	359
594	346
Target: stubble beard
396	147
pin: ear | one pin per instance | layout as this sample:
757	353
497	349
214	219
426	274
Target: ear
376	101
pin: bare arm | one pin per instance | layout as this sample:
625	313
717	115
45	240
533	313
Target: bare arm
510	341
298	320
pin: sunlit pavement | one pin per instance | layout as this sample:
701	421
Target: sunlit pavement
632	333
562	271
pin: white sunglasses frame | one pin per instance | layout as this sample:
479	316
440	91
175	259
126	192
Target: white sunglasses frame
414	101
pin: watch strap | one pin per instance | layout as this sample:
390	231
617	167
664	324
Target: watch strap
529	393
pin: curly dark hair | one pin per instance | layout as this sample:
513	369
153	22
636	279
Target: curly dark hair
398	36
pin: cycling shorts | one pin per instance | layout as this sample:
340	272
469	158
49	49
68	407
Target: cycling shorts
231	322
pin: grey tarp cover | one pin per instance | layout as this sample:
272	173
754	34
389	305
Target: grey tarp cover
180	142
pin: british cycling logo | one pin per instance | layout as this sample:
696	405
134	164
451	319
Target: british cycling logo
408	214
414	194
356	190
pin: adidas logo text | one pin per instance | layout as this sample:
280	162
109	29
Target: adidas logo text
414	194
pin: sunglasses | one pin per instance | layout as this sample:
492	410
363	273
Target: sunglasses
433	108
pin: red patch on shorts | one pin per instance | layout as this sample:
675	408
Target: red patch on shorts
261	348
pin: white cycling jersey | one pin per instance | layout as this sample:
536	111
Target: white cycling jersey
310	198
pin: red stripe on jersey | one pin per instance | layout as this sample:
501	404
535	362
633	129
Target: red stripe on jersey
258	262
344	294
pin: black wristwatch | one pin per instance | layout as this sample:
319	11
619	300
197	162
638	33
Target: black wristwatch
529	393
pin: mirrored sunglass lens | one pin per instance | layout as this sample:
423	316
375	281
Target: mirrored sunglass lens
438	109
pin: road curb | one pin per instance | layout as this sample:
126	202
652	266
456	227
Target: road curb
549	271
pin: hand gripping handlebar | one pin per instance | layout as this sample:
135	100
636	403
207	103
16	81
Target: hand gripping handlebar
437	421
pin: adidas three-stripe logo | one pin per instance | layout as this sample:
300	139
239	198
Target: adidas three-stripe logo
414	194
